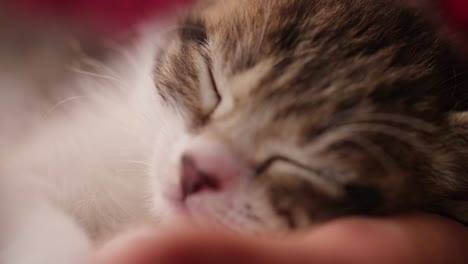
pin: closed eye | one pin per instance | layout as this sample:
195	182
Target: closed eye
209	94
322	179
277	158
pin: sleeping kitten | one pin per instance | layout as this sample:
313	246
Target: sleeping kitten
262	116
294	112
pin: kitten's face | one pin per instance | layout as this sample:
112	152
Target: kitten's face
286	113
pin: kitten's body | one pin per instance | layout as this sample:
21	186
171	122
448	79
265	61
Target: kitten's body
74	146
249	90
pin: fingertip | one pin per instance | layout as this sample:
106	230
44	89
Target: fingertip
417	238
129	247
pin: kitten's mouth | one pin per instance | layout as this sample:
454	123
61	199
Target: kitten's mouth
189	204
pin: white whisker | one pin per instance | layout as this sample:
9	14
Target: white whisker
125	53
64	101
99	65
100	76
138	162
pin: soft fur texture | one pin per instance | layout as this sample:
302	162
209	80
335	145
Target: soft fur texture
300	110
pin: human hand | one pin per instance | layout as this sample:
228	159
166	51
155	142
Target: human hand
402	239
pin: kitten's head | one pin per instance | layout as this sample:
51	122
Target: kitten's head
284	113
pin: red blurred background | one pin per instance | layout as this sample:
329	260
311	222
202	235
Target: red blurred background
119	15
113	15
456	13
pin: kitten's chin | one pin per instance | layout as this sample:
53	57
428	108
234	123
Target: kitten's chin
200	210
194	208
216	211
204	214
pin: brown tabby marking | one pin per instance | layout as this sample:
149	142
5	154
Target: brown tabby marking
355	93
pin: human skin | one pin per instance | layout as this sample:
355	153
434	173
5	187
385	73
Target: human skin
418	238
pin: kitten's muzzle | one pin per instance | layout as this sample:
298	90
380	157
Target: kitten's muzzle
194	180
209	166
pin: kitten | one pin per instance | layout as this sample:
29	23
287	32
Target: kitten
326	108
262	116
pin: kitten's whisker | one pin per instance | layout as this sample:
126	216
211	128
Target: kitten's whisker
134	171
100	76
239	220
88	60
124	51
138	162
64	101
95	64
219	218
462	100
256	196
230	217
454	76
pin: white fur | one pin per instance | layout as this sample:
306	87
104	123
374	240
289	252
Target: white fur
76	171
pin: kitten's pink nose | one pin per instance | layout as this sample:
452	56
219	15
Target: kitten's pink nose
195	180
209	166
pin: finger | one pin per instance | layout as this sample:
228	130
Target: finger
410	239
185	246
402	239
